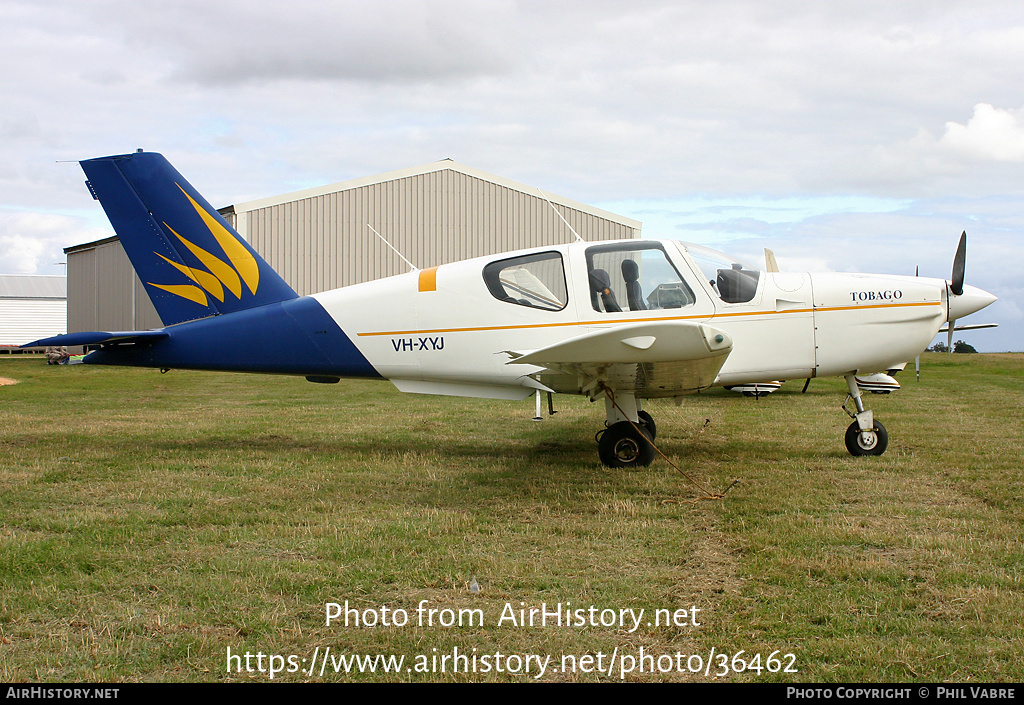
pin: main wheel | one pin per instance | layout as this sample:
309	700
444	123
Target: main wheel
873	442
647	423
621	446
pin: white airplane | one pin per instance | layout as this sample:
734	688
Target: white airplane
615	321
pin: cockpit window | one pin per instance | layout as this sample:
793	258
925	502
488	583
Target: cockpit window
535	280
634	277
733	281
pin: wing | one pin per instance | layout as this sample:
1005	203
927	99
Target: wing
652	359
969	326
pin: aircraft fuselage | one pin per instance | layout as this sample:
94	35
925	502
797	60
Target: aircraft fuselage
442	330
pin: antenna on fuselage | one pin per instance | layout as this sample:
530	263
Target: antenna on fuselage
544	195
393	248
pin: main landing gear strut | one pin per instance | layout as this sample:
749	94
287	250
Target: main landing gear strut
866	435
626	442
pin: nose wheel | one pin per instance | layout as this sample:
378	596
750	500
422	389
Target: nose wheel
872	441
866	435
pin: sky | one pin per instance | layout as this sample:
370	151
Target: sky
845	136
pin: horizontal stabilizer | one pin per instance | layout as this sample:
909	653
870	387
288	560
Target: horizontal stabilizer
99	338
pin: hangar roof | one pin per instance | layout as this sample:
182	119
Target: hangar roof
443	165
33	286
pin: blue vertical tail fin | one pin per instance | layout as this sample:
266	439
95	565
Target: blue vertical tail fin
193	263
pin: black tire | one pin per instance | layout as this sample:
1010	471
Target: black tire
647	422
621	446
871	443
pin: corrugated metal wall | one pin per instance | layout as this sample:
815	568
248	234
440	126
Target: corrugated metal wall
25	320
104	292
324	242
32	306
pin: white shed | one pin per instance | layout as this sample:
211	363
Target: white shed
32	306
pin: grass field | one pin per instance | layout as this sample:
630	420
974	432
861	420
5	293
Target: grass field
152	522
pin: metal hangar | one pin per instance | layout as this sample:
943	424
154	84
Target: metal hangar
323	238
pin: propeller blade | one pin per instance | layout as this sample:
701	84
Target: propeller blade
957	283
949	336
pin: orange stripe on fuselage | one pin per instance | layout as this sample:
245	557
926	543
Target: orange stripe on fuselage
641	320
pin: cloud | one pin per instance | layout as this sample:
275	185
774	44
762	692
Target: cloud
976	159
233	42
33	243
991	134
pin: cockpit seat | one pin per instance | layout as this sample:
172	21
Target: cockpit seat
736	285
600	289
634	293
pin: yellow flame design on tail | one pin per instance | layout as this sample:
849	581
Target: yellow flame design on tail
203	278
245	264
218	275
185	291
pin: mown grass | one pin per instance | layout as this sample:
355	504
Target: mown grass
150	522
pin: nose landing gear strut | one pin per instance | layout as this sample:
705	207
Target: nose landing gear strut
866	435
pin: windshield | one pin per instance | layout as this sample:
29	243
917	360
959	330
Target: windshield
734	281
